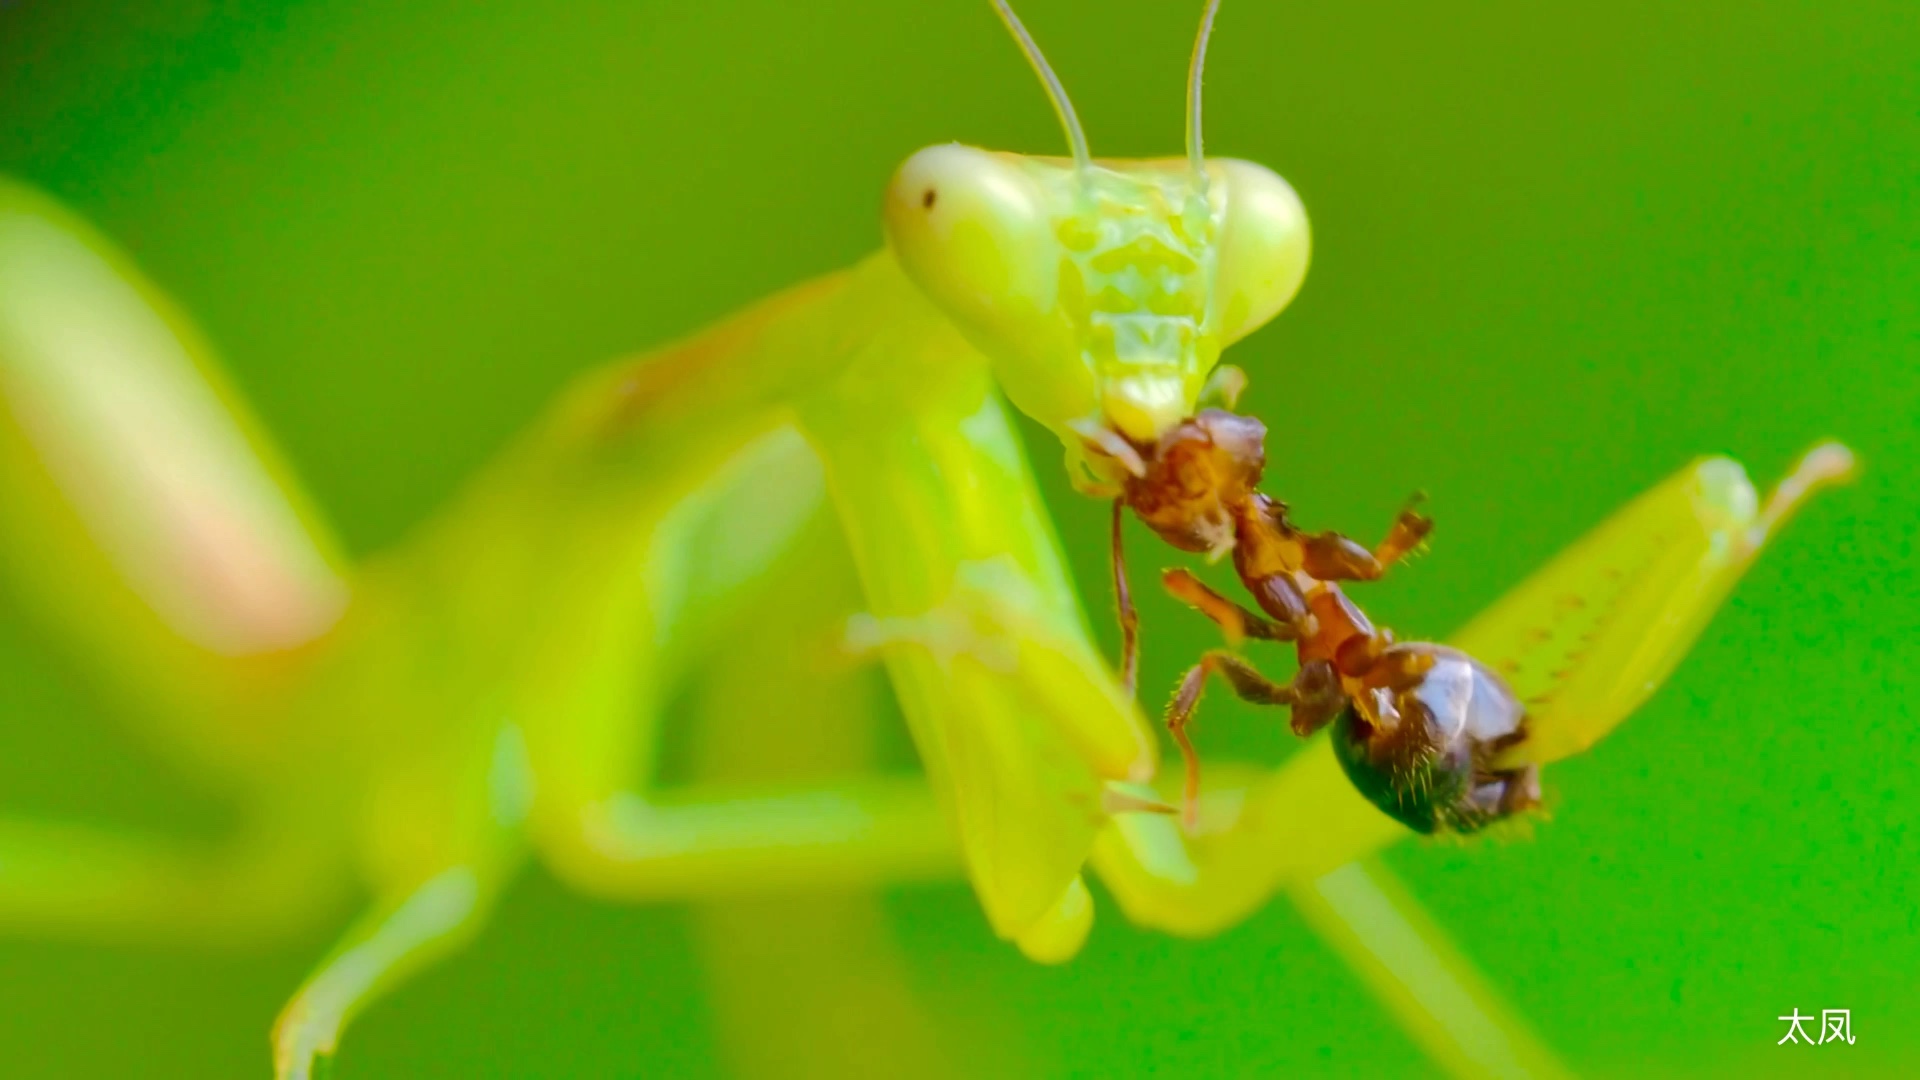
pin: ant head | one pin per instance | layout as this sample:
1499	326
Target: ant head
1197	477
1102	292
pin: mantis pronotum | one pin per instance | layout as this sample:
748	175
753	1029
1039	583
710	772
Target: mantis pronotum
516	658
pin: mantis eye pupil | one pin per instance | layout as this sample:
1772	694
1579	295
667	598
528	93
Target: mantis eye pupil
927	199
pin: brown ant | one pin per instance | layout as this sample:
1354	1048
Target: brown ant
1417	725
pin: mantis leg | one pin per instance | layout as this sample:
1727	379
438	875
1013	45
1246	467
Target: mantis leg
718	840
1456	1016
405	932
87	883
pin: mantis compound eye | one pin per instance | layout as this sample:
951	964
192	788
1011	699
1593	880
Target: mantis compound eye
973	231
1263	248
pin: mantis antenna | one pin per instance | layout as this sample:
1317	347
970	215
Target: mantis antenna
1195	156
1076	138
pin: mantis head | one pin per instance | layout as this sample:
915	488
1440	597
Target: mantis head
1102	292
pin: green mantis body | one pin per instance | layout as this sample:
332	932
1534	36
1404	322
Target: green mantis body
492	690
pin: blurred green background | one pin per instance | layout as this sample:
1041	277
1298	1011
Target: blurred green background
1560	251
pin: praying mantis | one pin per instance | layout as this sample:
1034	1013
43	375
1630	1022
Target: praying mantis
491	690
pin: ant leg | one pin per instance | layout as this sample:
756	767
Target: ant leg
1129	617
1281	597
1519	790
1504	793
1330	556
1247	683
1318	697
1314	690
1410	529
1236	622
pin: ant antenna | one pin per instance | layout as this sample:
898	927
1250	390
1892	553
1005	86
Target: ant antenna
1063	108
1195	156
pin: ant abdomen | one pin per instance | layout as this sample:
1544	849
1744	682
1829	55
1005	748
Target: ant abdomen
1420	737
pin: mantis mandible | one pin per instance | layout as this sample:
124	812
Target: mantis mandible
492	690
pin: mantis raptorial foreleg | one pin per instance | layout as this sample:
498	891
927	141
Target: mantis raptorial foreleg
942	515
